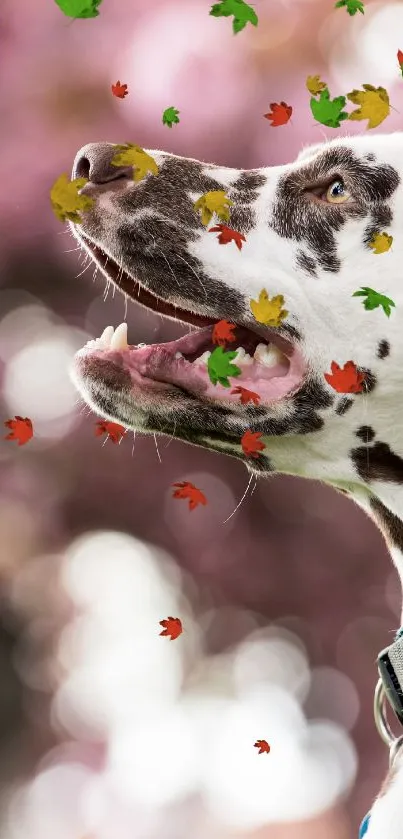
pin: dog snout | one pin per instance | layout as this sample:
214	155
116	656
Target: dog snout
94	161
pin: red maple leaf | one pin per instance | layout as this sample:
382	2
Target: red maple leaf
227	234
223	332
114	431
400	57
188	490
251	444
173	627
263	746
345	379
21	429
119	90
280	113
246	395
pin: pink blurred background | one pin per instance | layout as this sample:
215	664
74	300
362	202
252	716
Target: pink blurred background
108	730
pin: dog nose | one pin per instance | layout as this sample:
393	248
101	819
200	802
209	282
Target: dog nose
94	161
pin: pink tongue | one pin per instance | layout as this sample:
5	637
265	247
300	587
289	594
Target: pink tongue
158	362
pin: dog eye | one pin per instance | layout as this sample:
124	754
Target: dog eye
336	192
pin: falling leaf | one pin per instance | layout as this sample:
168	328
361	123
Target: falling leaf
213	202
373	102
228	235
315	85
173	627
119	90
170	116
66	202
223	333
220	368
329	111
21	429
131	155
345	379
374	299
263	746
114	430
268	311
381	242
352	6
79	8
251	444
246	395
280	113
400	60
241	11
192	493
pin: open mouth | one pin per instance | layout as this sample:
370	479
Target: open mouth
268	367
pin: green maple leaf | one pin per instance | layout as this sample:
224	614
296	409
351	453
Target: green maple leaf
374	299
79	8
170	116
329	111
219	366
352	6
241	11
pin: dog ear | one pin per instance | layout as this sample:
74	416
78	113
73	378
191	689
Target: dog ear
309	151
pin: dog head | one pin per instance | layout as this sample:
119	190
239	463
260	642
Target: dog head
309	229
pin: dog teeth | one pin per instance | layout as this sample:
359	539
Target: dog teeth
119	338
242	357
268	354
111	339
178	355
203	359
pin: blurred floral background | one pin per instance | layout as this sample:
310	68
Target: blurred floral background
107	730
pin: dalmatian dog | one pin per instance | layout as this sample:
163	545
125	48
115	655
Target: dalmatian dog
308	229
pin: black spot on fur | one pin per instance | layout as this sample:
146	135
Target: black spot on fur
391	525
366	433
369	382
383	349
306	263
244	193
381	218
344	406
378	463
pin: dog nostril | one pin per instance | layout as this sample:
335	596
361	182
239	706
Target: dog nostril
82	168
94	162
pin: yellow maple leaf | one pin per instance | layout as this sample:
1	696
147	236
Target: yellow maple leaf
381	242
315	85
66	202
374	104
268	311
213	202
131	155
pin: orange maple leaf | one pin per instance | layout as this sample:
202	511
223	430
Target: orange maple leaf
280	113
400	57
251	444
246	395
227	234
223	332
263	746
119	90
345	379
173	627
188	490
114	430
21	429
